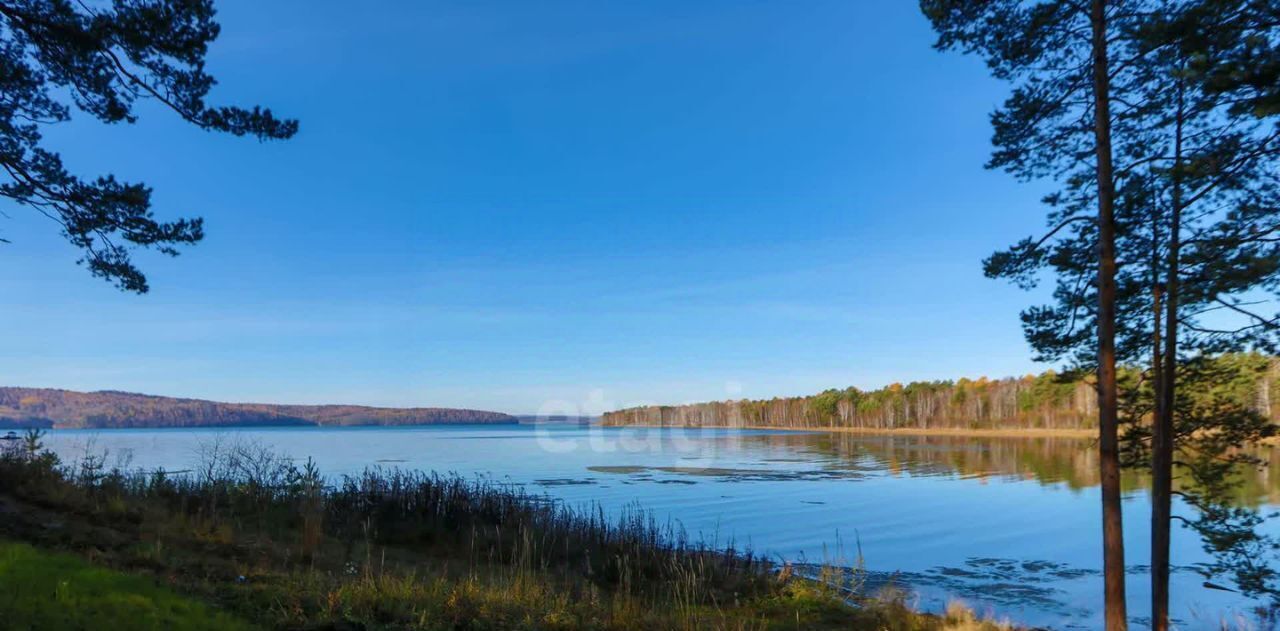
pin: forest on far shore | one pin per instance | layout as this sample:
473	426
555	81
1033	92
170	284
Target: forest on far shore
1046	401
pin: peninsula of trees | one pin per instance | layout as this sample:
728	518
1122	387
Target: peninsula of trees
1044	401
66	409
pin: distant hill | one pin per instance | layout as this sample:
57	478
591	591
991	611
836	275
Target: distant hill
108	409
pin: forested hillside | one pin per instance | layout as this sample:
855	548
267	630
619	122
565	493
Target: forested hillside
1045	401
38	407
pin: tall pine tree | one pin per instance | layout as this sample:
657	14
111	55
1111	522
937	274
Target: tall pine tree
1069	63
1213	161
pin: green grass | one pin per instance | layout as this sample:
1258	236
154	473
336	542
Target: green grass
43	590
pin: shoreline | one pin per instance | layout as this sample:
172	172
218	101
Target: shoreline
903	431
307	565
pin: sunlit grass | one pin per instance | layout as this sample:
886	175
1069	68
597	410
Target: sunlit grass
43	590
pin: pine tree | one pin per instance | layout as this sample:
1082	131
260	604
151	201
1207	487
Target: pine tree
1213	162
60	56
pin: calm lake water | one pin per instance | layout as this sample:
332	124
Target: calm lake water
1010	526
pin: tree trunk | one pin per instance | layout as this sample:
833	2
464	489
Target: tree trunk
1108	398
1161	493
1162	430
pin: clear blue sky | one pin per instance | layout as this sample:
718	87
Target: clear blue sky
498	204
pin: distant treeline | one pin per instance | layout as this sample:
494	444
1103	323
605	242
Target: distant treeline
1045	401
39	407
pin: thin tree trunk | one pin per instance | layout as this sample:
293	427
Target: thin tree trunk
1162	431
1157	317
1108	399
1161	487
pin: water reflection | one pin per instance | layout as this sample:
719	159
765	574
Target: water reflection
1069	462
1047	460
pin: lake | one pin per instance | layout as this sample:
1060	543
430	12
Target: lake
1008	525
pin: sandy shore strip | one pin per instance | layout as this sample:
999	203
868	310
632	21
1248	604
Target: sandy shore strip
906	431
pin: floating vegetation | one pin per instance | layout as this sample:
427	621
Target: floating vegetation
565	482
728	474
1001	582
624	469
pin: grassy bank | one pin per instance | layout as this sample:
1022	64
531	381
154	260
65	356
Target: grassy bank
42	590
264	542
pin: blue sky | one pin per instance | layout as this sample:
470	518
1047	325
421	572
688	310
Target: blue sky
505	204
